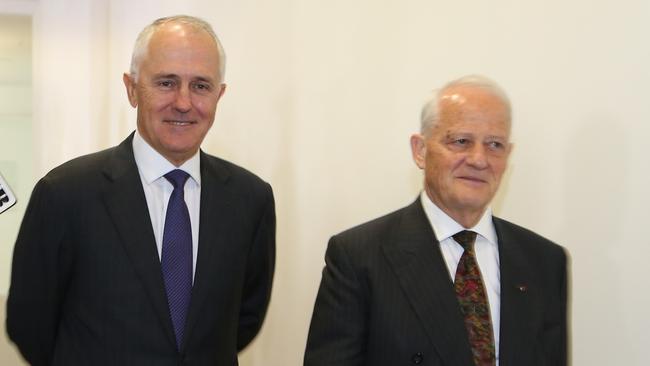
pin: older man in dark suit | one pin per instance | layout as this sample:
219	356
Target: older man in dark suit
442	281
152	252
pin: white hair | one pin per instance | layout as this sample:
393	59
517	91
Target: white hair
430	114
142	42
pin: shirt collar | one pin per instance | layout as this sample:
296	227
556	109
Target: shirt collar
444	226
153	166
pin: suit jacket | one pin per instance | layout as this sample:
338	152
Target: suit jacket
386	298
86	284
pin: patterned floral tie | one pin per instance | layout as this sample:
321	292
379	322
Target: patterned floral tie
472	298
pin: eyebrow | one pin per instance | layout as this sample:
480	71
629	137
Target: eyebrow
497	137
165	76
450	134
205	79
175	76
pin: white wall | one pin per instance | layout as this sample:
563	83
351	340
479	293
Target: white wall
323	96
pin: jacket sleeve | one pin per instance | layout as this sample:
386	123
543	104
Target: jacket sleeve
259	275
555	325
338	330
38	276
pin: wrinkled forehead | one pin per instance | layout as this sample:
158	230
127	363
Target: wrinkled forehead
472	96
473	103
176	48
181	35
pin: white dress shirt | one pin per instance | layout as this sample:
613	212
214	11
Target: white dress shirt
486	249
157	189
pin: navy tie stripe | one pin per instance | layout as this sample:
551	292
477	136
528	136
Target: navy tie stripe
176	258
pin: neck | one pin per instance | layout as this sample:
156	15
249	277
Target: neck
467	220
466	217
177	162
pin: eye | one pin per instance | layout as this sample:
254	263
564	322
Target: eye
459	143
166	84
201	86
495	145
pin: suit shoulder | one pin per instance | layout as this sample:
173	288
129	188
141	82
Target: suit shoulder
241	180
528	238
80	168
236	172
71	184
233	171
372	232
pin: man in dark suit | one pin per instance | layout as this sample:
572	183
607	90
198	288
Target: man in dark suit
100	275
442	281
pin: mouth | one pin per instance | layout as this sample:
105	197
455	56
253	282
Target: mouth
175	122
473	180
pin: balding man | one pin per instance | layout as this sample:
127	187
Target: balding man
442	281
152	252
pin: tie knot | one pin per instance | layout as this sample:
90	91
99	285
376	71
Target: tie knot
177	178
465	238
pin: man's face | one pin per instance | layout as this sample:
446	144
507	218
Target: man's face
177	90
465	154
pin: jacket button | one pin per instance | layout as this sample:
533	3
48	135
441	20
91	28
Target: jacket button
417	358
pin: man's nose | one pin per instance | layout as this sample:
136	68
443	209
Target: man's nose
183	101
477	157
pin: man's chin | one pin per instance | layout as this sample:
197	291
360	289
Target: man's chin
473	202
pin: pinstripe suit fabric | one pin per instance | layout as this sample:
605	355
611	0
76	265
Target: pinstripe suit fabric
386	298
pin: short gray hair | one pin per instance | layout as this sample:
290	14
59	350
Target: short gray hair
142	42
430	114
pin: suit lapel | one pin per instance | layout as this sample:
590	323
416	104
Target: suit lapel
414	255
213	225
516	292
128	209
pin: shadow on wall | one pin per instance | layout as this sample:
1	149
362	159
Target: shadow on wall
8	352
595	174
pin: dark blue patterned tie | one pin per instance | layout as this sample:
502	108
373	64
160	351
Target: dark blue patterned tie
177	253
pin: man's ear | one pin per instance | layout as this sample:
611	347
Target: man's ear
223	90
129	83
418	149
510	147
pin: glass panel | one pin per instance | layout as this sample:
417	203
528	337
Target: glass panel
16	146
16	140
